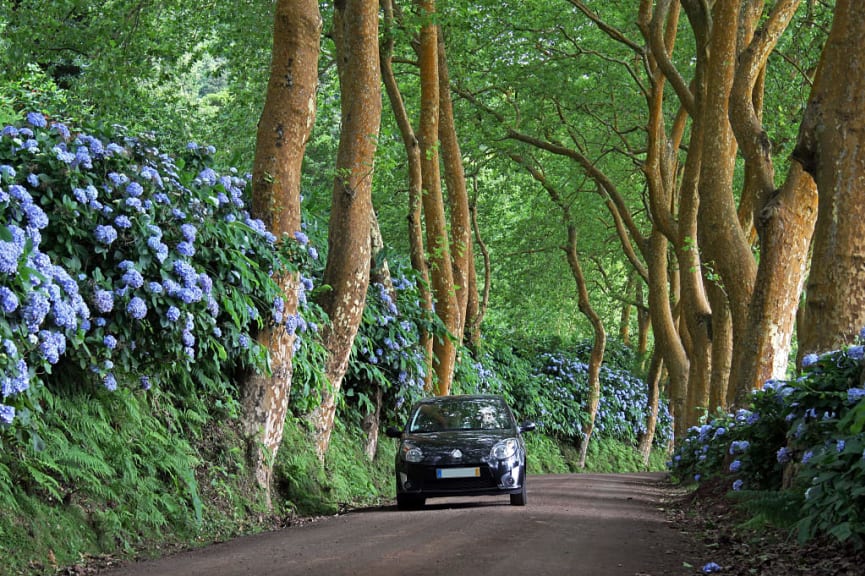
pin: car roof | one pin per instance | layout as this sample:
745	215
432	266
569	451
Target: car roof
433	399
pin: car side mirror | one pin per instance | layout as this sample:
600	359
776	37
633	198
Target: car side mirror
527	427
393	432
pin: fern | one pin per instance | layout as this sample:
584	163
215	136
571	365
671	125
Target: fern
779	508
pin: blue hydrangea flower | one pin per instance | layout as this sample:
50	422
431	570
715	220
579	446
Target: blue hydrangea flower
110	382
123	222
103	301
145	383
173	314
110	341
10	253
61	129
711	567
301	237
809	359
784	455
137	308
36	119
34	311
737	485
134	190
105	234
7	414
8	300
186	249
133	279
735	465
189	232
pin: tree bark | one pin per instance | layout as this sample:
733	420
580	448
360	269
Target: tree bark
415	183
441	272
653	381
347	270
783	221
831	147
599	343
283	130
458	199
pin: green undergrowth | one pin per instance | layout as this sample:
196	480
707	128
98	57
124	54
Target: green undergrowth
347	479
547	455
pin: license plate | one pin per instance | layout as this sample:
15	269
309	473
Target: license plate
458	472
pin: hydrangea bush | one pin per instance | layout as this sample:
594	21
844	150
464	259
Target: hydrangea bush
802	439
386	354
556	394
122	265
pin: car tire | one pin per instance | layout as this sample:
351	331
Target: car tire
409	502
519	499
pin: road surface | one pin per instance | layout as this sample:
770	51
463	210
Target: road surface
581	524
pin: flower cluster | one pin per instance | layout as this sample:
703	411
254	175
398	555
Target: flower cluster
557	397
809	429
124	261
386	351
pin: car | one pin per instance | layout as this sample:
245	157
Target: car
460	445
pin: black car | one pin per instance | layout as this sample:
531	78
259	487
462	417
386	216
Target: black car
460	446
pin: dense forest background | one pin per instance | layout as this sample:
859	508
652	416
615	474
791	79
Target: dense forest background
625	217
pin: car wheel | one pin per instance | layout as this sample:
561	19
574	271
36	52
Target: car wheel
409	502
519	499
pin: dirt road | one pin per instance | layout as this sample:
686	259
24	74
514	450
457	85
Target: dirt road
592	525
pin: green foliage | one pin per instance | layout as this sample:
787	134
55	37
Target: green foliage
798	456
556	396
305	486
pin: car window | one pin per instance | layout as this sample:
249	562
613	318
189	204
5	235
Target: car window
461	414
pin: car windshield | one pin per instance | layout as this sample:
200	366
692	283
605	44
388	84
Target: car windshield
461	414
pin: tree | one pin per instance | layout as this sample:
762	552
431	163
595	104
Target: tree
830	148
283	131
441	272
355	31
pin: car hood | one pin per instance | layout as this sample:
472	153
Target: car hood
475	445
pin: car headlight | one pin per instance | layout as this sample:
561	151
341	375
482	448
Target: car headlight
411	453
504	449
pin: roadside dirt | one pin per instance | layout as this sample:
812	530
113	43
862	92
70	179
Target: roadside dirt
713	519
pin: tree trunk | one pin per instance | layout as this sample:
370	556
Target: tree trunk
476	319
355	33
653	380
666	335
283	130
725	245
831	148
415	183
786	227
444	350
782	220
458	199
371	422
599	343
